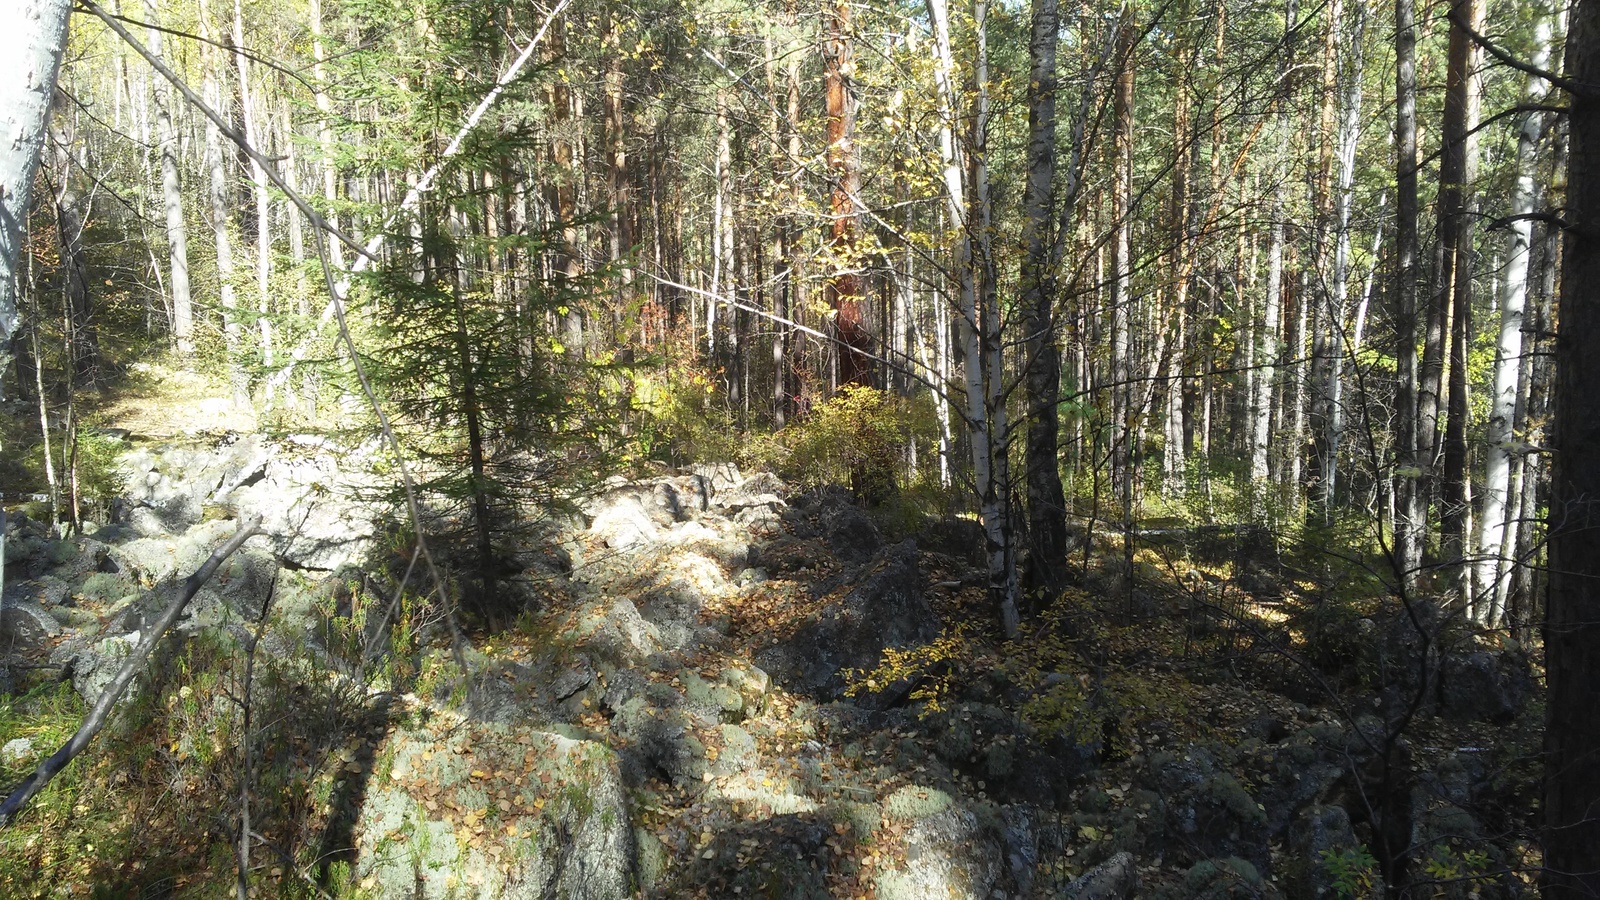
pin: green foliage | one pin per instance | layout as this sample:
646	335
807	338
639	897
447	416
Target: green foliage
1448	863
681	416
1353	872
506	421
859	437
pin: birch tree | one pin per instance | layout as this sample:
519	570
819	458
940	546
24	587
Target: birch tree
172	200
33	36
979	319
1496	531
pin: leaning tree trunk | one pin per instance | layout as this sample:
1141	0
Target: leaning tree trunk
33	35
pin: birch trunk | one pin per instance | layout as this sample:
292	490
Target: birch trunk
1410	510
218	197
1494	539
254	121
1047	518
985	424
33	36
1349	137
172	203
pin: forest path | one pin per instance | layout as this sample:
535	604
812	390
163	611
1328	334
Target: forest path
157	401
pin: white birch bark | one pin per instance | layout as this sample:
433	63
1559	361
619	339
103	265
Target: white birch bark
172	202
33	35
983	372
1494	534
253	128
1349	137
217	197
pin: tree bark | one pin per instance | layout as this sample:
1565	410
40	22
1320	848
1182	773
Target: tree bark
220	189
978	320
33	36
254	126
1496	530
1572	625
1457	205
846	288
172	202
1410	503
1124	426
1047	517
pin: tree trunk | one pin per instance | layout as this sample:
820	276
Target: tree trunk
254	122
1272	314
1340	345
33	36
172	202
217	197
1125	431
1410	503
985	423
1047	517
1572	625
846	289
73	212
1457	206
1494	533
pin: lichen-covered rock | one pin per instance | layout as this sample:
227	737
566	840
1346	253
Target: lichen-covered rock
658	740
494	811
26	628
91	667
27	546
1209	813
784	857
851	536
1115	879
949	853
622	522
305	490
620	635
46	591
1225	878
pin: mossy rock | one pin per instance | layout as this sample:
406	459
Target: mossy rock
105	587
914	802
1224	878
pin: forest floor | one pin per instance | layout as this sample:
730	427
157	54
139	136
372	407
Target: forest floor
1237	716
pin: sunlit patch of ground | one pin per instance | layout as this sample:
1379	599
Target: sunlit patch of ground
160	401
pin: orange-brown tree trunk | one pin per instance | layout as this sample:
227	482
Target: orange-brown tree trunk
846	288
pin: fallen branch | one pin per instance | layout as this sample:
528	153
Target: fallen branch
96	719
